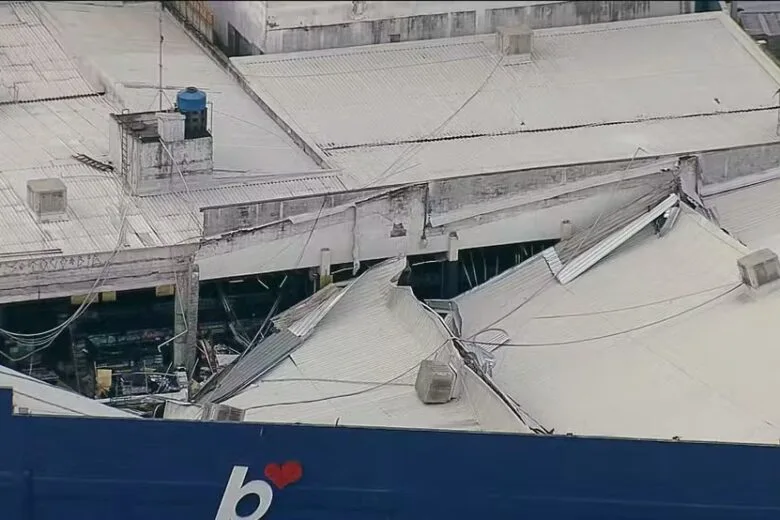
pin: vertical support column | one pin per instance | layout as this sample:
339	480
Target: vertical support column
325	278
567	229
733	10
451	285
689	178
185	325
2	325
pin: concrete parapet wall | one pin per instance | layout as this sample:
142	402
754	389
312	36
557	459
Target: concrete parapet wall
63	276
418	219
277	27
724	165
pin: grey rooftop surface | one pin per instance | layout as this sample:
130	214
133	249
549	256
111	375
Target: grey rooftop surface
349	356
658	339
120	46
750	209
405	112
64	68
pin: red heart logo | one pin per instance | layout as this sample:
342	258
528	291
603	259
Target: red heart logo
285	474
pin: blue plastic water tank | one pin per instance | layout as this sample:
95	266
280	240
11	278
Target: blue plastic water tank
191	100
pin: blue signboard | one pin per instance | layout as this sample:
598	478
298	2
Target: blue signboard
119	469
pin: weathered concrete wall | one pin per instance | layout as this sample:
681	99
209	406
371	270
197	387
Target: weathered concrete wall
418	219
248	18
452	194
277	27
221	219
185	323
724	165
158	173
151	170
64	276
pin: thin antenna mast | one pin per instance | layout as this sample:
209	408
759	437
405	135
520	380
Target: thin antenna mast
160	60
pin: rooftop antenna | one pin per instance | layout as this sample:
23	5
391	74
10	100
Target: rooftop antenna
160	60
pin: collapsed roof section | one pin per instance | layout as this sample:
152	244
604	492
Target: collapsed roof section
353	355
654	335
34	397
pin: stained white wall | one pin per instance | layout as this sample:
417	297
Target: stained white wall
362	231
275	27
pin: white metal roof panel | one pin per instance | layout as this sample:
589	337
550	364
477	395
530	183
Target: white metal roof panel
43	399
366	351
38	139
452	158
751	214
32	64
122	44
651	73
704	372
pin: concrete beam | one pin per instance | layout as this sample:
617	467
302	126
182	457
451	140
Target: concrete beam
66	275
324	273
370	229
185	324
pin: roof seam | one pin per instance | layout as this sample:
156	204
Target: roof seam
56	98
543	130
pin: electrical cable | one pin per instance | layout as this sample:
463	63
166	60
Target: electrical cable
497	345
311	233
415	147
511	403
282	137
631	307
350	394
576	252
605	336
308	239
43	340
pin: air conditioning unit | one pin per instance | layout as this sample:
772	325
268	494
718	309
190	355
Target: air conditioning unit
222	412
759	268
435	382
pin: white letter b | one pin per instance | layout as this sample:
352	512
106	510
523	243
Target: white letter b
236	490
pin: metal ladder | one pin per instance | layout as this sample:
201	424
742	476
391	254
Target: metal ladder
93	163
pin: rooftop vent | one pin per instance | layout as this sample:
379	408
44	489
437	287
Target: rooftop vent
222	412
48	198
759	268
435	382
515	41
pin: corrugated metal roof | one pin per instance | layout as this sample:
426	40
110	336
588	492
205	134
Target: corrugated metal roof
32	64
610	222
584	260
123	45
93	212
267	354
651	342
399	164
40	138
358	367
751	214
43	399
634	72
